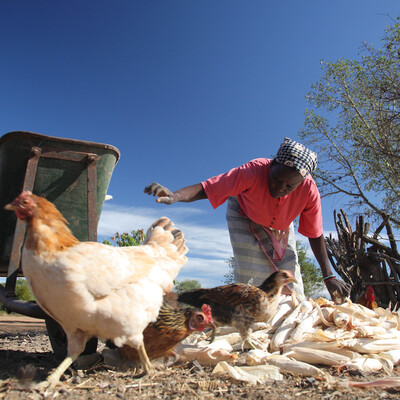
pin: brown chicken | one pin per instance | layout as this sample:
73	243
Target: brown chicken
173	324
367	299
240	305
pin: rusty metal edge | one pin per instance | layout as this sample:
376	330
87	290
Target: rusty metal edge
60	139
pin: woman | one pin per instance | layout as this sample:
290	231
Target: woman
264	197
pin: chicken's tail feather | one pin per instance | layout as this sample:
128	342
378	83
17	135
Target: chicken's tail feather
167	235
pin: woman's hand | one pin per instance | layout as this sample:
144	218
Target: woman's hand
338	290
164	194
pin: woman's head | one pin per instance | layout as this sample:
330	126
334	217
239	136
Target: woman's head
282	180
291	165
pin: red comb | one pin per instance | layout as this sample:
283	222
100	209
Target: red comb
369	293
206	309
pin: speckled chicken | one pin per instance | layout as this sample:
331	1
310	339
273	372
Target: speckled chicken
240	305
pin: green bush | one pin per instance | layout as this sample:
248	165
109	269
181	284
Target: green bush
22	292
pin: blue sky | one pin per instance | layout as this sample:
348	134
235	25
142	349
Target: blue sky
184	89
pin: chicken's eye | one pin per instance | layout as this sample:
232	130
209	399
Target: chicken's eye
200	318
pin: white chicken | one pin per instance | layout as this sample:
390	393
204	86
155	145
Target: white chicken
92	289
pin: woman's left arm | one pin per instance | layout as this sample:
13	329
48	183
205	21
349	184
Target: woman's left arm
335	286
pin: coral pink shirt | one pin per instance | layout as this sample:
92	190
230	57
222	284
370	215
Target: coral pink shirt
249	183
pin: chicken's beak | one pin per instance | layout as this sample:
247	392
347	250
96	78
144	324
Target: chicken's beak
10	207
289	280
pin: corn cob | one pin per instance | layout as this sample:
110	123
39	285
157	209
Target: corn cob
314	356
284	330
305	327
333	347
341	320
366	345
367	331
394	356
364	364
285	364
283	311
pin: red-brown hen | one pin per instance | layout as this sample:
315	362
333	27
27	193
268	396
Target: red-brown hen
173	324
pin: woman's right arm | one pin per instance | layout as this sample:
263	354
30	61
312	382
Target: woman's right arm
186	194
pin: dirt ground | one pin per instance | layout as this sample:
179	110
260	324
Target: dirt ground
26	358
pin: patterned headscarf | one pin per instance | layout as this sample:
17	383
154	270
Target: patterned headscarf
297	156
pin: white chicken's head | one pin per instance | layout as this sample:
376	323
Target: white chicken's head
24	205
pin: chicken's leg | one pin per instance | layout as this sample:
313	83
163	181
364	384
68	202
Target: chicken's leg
148	369
247	340
54	378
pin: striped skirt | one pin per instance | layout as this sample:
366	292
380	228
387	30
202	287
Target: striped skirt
253	250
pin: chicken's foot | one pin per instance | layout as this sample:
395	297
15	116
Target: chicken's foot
213	331
54	378
248	343
251	343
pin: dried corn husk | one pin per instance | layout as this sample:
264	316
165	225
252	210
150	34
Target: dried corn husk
367	331
388	315
363	309
366	346
296	367
206	355
355	312
364	364
324	313
384	383
284	330
282	312
319	332
387	363
314	356
285	364
313	345
341	320
334	347
256	357
253	375
305	327
394	356
331	335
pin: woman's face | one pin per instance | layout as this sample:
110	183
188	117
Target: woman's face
282	180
